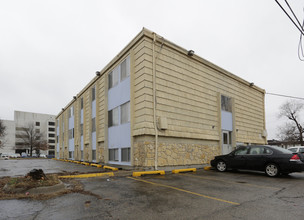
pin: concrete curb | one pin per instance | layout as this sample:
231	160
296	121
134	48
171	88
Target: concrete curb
87	175
47	189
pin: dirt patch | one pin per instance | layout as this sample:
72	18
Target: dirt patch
19	187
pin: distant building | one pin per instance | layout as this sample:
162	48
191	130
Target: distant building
9	139
155	105
284	144
43	124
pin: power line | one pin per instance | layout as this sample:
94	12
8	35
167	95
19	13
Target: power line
300	28
286	96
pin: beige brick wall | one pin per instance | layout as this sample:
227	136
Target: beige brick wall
187	95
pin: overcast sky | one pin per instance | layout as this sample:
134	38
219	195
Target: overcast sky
49	50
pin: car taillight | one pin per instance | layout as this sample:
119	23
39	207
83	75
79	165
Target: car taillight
295	158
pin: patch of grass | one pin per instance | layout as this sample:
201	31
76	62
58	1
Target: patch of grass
26	183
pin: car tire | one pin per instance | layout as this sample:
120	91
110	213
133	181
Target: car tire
272	170
221	166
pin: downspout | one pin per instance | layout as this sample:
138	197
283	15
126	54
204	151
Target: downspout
154	101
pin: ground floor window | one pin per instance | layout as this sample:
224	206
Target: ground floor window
71	154
113	154
93	154
125	154
82	155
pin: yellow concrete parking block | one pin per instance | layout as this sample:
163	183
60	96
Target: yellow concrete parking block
96	165
207	168
161	172
184	170
110	168
85	163
87	175
78	162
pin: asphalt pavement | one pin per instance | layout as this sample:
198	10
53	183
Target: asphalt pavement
200	195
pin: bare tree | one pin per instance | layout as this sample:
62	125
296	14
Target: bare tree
31	138
2	133
293	130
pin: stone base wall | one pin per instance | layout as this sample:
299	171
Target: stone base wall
100	154
174	152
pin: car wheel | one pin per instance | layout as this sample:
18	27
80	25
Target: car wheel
221	166
272	170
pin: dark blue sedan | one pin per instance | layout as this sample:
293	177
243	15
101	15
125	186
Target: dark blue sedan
273	160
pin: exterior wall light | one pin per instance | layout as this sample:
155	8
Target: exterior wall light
74	97
190	53
97	73
251	84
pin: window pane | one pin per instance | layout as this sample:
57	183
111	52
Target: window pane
81	103
81	129
113	117
123	69
125	154
113	77
110	80
125	113
93	93
111	154
93	125
241	151
226	104
93	154
225	138
116	154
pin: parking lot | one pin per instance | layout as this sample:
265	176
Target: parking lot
200	195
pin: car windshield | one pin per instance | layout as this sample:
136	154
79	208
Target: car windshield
294	150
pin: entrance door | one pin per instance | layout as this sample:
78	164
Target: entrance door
226	137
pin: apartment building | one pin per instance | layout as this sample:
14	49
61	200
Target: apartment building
157	104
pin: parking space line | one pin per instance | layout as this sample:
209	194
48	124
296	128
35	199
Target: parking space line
186	191
243	184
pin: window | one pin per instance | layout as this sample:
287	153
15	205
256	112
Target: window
37	131
93	154
93	125
113	154
71	154
124	70
52	141
71	133
113	78
125	154
81	129
51	153
51	129
81	103
52	147
57	138
37	123
51	123
51	135
125	113
113	117
71	112
226	104
256	150
93	93
241	151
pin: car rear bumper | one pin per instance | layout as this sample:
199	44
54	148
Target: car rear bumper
294	166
